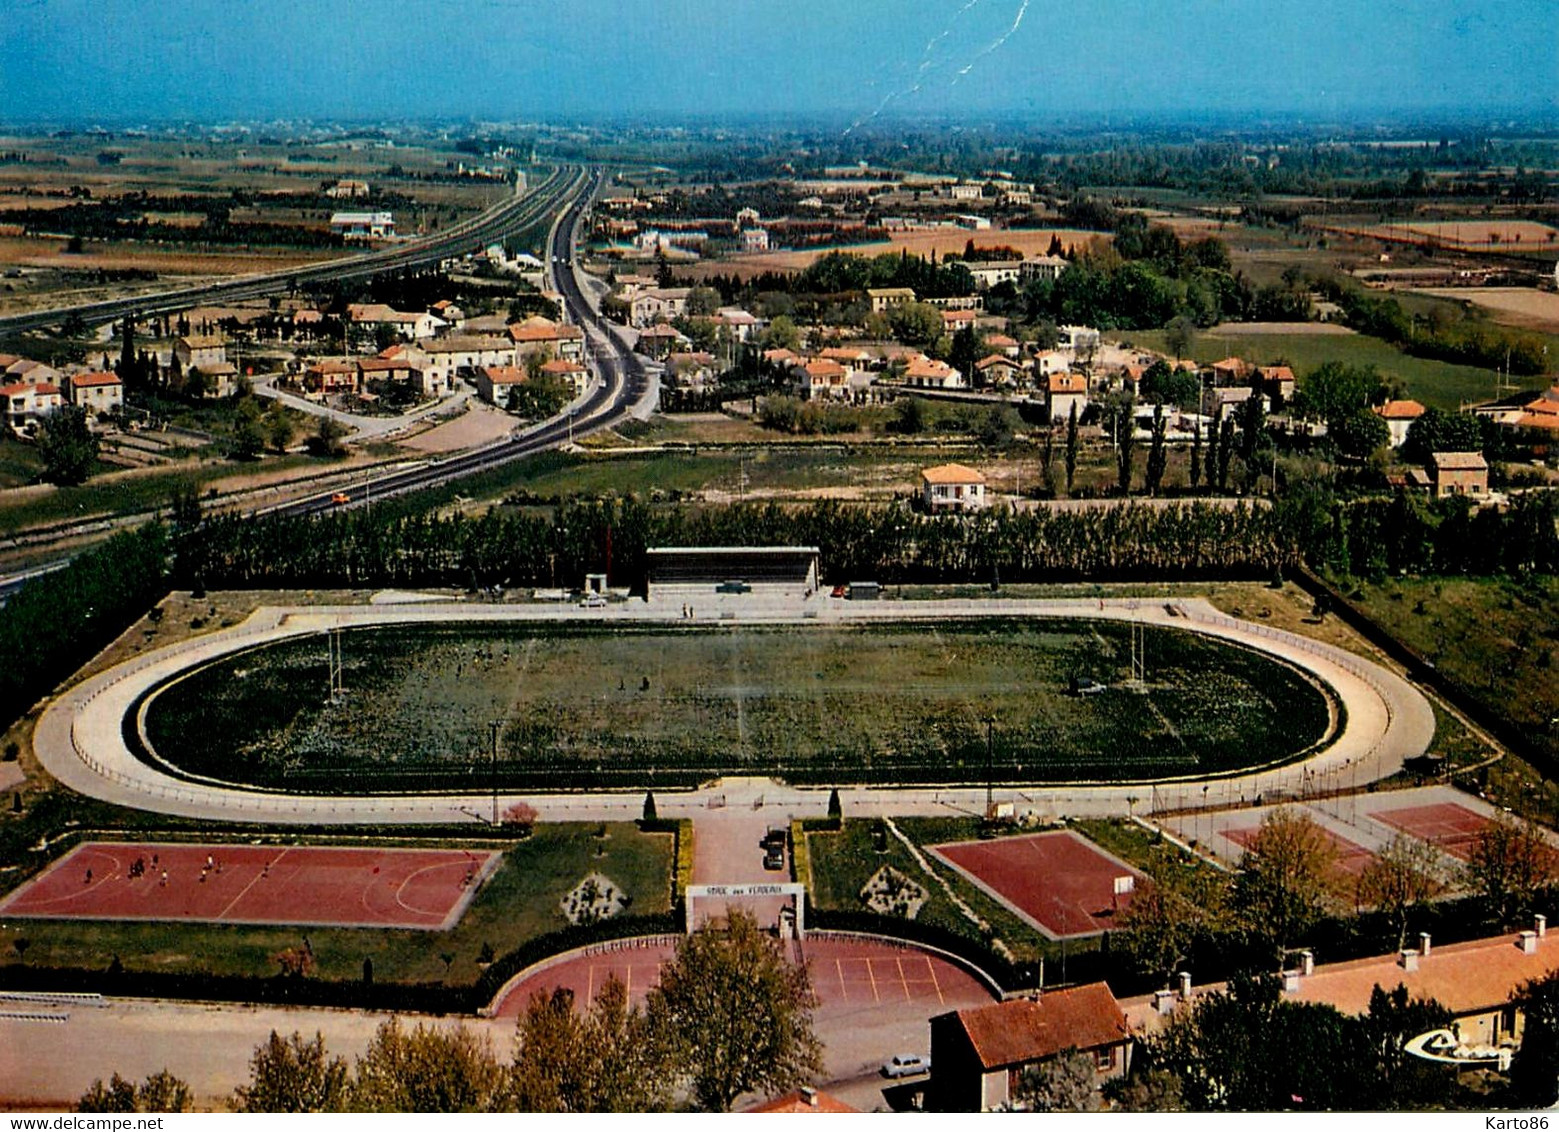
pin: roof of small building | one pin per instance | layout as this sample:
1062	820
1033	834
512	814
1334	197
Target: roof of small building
824	367
1401	410
96	378
992	360
803	1100
462	345
1458	462
42	389
951	473
1067	383
202	341
504	375
923	366
1024	1030
562	365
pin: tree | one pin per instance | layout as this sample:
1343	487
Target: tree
782	333
735	1015
995	426
1125	443
278	428
1286	873
916	324
248	431
1399	879
68	446
1253	427
1178	333
1163	924
1405	1081
1157	458
1249	1049
650	814
1152	1091
702	302
1071	447
160	1092
293	1075
603	1060
327	437
428	1069
1333	390
1225	451
909	415
1437	431
1510	865
966	351
1196	454
1534	1071
1067	1082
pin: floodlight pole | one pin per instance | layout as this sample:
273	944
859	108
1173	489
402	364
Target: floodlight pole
494	726
990	771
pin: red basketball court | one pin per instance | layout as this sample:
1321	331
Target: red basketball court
253	884
848	975
1060	882
1351	860
1450	827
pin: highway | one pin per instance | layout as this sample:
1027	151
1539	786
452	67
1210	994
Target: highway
468	236
623	381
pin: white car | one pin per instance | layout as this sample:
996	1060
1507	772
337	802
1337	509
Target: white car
906	1065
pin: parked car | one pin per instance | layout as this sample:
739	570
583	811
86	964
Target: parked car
774	859
906	1065
775	838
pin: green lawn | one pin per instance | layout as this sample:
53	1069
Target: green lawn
1438	384
646	706
131	494
520	902
1496	637
843	862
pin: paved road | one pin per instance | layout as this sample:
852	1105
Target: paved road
79	739
363	427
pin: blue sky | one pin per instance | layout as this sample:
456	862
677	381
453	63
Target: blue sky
123	60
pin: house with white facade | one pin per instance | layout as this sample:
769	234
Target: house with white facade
96	392
952	487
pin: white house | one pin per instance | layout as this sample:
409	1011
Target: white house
497	384
952	487
363	225
25	403
1399	417
928	373
95	392
661	304
1065	392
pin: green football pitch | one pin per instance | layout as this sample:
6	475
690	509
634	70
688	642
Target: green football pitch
565	707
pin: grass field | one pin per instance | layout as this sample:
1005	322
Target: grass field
1437	384
521	901
632	707
1497	637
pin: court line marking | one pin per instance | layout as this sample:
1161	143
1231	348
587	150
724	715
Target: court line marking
254	880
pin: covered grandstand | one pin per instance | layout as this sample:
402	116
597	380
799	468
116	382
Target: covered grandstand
692	570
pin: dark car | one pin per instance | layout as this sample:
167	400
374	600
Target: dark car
774	859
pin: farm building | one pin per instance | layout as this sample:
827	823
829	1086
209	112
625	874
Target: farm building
1458	473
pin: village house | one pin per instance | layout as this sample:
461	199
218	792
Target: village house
1230	371
457	356
819	378
988	273
661	304
1537	411
347	190
1064	393
411	325
952	487
1458	473
542	335
1004	344
569	372
1042	267
96	392
978	1055
1277	382
332	377
26	403
755	239
742	324
1218	400
200	351
928	373
1399	417
885	299
1079	341
999	371
661	339
691	370
497	384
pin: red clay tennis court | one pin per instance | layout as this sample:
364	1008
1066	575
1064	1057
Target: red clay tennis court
254	884
1450	827
1351	860
848	975
1060	882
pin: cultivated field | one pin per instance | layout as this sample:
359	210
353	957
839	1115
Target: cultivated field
1029	241
598	707
1525	307
1469	235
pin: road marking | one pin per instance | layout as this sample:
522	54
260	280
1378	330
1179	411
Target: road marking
935	982
902	980
872	975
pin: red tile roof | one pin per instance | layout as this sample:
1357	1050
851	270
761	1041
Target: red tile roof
1401	410
1024	1030
951	473
87	380
803	1100
1068	383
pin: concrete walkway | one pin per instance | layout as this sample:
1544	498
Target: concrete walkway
79	740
